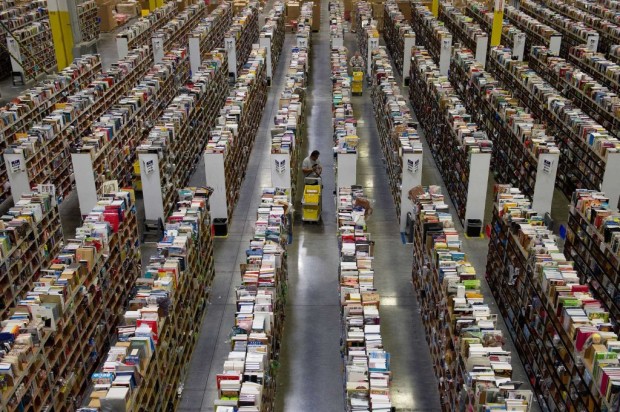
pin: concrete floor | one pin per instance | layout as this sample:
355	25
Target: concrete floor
310	377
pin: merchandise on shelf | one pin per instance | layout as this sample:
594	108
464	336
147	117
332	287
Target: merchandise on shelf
241	35
518	137
367	366
248	380
30	237
400	143
57	333
144	367
235	131
179	134
585	144
472	367
453	137
398	36
557	316
140	32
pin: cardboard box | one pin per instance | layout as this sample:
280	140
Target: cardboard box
106	15
405	9
293	10
316	16
377	11
129	9
348	5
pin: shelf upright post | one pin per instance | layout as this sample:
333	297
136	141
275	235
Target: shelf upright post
555	42
409	44
592	41
373	43
122	46
84	181
18	173
411	176
195	56
158	50
216	178
281	170
479	167
347	170
265	42
151	186
444	56
545	182
610	184
230	43
498	23
482	45
518	49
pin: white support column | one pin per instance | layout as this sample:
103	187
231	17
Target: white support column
444	57
281	170
158	50
230	43
151	186
545	182
122	46
412	177
216	178
347	170
265	42
195	57
337	42
518	46
610	184
302	40
407	53
18	174
482	43
373	43
479	166
592	42
84	181
554	44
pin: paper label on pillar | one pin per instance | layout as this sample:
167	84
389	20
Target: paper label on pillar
412	166
110	186
16	165
592	42
445	44
547	165
280	166
158	44
230	44
149	167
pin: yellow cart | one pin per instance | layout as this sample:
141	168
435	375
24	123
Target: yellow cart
311	202
357	85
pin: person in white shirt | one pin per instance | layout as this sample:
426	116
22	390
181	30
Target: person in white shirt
311	166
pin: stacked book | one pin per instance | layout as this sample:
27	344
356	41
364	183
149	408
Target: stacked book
596	64
139	33
273	29
396	29
174	137
157	330
210	30
366	28
466	29
367	363
336	22
247	382
484	17
431	32
538	33
472	367
549	302
245	31
236	127
518	136
30	237
397	129
175	32
63	320
344	122
450	130
287	132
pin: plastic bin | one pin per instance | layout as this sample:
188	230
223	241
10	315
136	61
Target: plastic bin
474	227
220	227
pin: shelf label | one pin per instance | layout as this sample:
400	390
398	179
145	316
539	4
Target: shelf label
149	167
